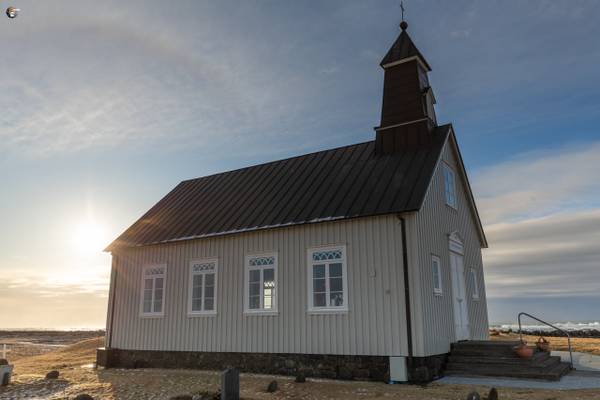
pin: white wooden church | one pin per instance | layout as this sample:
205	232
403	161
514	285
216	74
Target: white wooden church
359	262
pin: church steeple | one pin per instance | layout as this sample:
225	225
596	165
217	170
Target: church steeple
402	49
407	114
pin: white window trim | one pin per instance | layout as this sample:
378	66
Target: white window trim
212	312
475	282
309	269
143	283
437	291
247	268
450	170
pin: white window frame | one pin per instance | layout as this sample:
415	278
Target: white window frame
439	290
275	296
475	283
450	187
312	309
200	262
153	268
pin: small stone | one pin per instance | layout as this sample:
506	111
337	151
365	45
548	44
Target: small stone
300	378
52	374
3	361
272	388
83	396
473	396
493	394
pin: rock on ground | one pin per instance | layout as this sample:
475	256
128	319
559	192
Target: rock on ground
272	387
52	375
84	396
473	396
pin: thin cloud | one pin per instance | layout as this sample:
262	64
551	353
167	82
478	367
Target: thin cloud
542	221
155	90
538	184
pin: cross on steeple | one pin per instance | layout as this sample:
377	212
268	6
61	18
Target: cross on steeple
403	24
402	8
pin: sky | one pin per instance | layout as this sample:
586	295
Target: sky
106	106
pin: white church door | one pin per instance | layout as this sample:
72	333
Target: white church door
461	316
459	292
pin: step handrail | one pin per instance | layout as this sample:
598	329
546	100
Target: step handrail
550	325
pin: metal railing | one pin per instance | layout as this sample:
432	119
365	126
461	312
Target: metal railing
550	325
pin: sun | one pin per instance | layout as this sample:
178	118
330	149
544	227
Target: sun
89	237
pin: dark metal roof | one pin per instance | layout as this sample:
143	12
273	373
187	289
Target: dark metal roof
403	48
346	182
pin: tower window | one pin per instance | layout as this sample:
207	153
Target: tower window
450	186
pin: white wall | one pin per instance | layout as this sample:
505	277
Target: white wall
374	324
429	230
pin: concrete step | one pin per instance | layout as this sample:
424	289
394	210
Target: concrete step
552	374
477	359
524	364
504	350
498	359
485	343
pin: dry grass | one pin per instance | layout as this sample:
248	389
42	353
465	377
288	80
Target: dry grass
77	377
584	345
32	343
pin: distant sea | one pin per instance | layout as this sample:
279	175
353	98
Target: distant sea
568	326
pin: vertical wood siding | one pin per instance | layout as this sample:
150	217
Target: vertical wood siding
431	227
374	324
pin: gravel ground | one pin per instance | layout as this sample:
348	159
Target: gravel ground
78	375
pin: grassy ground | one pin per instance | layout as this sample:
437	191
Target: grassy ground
32	343
584	345
78	376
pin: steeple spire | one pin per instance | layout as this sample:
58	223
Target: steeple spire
407	114
402	49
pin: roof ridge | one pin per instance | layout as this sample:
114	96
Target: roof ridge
275	161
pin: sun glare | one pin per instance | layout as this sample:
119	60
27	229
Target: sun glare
89	238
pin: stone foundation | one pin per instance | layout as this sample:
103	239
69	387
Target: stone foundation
372	368
426	369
